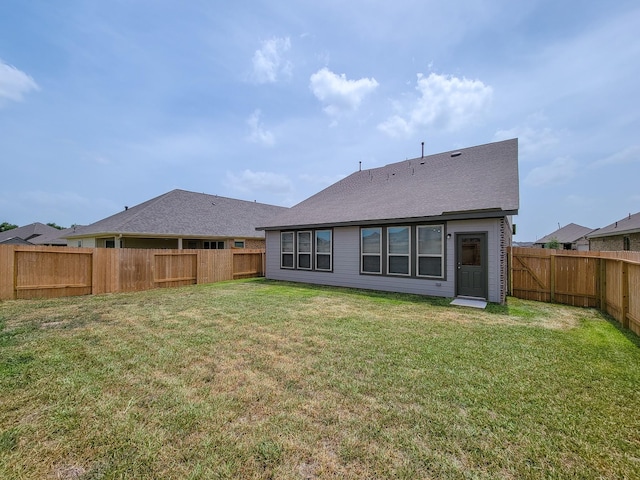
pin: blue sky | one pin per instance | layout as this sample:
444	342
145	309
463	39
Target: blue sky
107	104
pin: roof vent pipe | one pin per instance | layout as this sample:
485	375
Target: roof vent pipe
422	150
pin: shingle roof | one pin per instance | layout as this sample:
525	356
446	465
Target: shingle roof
629	224
29	232
568	234
189	214
14	241
56	238
480	178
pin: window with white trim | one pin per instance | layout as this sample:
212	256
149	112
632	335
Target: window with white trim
323	241
286	250
398	250
371	250
307	250
430	251
304	250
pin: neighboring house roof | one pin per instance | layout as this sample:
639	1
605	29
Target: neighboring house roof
523	244
55	238
627	225
14	241
189	214
480	181
29	232
568	234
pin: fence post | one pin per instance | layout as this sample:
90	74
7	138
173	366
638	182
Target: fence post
552	283
603	284
625	294
510	270
599	267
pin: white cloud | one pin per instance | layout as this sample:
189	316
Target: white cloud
628	155
250	181
258	133
14	83
445	102
531	141
558	172
269	62
339	94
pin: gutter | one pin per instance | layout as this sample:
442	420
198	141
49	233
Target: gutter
445	216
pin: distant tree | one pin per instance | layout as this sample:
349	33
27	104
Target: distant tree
553	244
4	226
56	226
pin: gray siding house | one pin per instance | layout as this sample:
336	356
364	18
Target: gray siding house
436	225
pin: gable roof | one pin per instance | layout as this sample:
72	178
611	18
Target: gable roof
29	232
480	181
629	224
568	234
184	213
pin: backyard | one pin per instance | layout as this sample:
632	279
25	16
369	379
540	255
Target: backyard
259	379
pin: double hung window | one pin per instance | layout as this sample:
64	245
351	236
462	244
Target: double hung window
398	250
430	254
323	250
304	250
286	249
371	248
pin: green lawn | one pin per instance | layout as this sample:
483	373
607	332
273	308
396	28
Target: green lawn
262	379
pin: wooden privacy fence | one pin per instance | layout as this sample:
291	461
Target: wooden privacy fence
609	281
47	272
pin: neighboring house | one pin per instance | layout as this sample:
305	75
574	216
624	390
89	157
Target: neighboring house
14	241
437	225
619	236
32	233
179	220
570	237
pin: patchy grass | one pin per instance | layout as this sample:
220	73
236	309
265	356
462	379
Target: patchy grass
260	379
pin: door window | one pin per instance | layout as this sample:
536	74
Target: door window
471	252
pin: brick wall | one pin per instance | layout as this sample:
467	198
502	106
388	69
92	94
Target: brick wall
254	243
615	243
